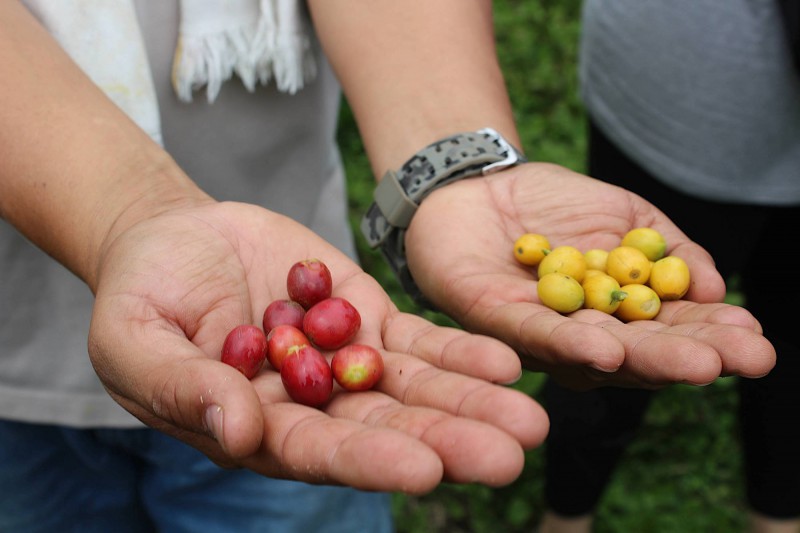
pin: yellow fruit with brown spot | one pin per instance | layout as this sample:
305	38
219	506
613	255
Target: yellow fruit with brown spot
565	260
602	292
560	292
627	264
530	248
648	240
641	303
670	278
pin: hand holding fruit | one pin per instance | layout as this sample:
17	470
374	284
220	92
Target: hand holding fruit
172	286
460	248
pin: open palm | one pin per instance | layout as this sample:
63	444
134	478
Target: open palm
460	252
171	287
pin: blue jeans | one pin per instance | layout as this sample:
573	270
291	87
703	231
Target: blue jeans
54	479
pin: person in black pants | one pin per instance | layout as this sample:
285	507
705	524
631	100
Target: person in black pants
590	430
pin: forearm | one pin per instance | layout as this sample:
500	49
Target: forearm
73	167
415	71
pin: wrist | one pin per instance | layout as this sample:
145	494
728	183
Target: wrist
400	192
160	187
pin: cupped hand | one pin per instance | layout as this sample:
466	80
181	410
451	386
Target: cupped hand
171	287
460	253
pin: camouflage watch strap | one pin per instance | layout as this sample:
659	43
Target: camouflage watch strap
400	192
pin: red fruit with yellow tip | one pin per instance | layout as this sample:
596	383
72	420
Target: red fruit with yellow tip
357	367
282	341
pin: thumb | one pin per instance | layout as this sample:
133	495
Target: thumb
170	384
707	284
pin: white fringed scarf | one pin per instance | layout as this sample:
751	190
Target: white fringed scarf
259	40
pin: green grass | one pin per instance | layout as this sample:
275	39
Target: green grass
683	473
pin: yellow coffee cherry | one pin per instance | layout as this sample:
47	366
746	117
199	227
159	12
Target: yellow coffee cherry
648	240
641	303
592	272
670	278
560	292
565	260
602	292
596	259
531	248
627	264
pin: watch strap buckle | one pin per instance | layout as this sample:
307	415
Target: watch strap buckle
510	155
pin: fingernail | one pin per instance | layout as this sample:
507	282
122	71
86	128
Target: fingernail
213	421
513	381
605	368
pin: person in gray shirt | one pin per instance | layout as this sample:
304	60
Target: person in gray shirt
695	105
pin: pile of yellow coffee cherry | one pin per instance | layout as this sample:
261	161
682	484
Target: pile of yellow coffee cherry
629	281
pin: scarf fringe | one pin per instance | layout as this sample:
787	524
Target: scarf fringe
293	63
257	53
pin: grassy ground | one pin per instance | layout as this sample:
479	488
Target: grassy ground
683	473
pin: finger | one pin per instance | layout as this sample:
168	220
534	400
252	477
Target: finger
412	381
382	437
706	283
656	356
684	311
694	352
742	352
165	377
452	349
547	338
478	430
511	313
470	451
731	330
309	445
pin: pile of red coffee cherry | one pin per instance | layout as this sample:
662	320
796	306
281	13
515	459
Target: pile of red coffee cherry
296	330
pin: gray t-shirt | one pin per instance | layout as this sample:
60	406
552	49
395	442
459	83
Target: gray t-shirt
269	148
701	93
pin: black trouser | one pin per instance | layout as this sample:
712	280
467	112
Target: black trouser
590	430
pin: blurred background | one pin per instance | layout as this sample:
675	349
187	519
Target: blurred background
683	474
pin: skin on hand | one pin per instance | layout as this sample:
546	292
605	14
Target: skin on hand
173	271
170	287
472	276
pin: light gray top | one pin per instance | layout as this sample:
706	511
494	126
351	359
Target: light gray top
269	148
701	93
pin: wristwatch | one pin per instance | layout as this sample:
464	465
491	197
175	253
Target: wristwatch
400	192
